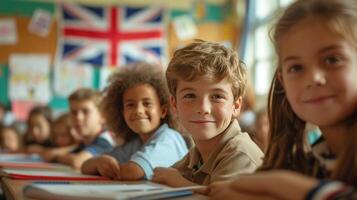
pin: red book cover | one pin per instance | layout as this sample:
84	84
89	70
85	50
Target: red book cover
32	174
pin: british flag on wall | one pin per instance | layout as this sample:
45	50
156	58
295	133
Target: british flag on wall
111	35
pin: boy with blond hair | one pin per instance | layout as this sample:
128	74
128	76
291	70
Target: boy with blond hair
88	123
207	82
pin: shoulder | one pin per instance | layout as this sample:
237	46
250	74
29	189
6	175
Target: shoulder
104	136
165	133
242	145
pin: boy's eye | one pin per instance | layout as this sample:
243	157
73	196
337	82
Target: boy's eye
217	97
332	60
146	104
189	96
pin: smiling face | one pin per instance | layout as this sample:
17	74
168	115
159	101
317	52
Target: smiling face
319	69
142	110
205	107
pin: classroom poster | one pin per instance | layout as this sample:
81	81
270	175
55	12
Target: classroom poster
8	34
70	76
29	78
108	35
185	27
40	23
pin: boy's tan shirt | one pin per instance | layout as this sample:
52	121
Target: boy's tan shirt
235	154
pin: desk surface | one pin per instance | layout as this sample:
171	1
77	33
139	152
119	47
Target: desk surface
13	190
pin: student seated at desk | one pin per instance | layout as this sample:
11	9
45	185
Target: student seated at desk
135	105
207	82
10	141
88	123
37	136
314	82
63	137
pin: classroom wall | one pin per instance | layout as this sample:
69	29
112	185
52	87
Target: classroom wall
214	20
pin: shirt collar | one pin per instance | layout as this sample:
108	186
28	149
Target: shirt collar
231	131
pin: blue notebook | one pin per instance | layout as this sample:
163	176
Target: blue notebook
104	191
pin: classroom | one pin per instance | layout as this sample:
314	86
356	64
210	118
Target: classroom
180	99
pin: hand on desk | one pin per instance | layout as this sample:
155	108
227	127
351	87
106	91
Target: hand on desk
107	166
171	177
264	185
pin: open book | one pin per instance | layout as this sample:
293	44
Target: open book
78	191
32	174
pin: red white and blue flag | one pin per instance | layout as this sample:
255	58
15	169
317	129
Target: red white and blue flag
112	35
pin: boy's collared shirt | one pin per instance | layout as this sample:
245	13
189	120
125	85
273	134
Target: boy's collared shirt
235	154
103	143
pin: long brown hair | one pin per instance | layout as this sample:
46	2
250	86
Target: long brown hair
286	146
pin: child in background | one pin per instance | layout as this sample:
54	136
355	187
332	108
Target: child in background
207	82
261	129
62	138
135	106
37	137
61	131
88	123
315	82
10	141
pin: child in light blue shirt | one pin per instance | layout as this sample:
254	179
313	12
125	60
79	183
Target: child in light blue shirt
135	105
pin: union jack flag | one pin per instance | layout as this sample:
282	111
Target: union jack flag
112	35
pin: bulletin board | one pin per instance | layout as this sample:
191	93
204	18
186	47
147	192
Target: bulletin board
214	26
28	42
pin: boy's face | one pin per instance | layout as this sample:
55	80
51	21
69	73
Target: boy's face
142	110
85	117
205	107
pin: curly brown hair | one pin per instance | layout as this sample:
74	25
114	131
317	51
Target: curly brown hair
112	104
210	59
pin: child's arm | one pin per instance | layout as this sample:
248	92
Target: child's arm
266	185
103	165
107	166
171	177
50	154
74	160
35	148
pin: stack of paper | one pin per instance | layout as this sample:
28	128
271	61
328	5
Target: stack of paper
111	191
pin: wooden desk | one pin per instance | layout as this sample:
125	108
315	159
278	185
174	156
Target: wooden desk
13	190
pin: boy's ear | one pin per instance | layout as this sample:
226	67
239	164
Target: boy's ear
237	105
164	110
173	104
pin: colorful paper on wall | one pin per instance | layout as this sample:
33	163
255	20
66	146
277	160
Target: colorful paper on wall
8	34
185	27
29	78
69	77
106	36
41	23
21	109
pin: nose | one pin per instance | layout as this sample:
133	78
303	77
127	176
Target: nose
78	117
139	109
317	77
204	106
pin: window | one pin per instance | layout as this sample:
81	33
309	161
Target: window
260	54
